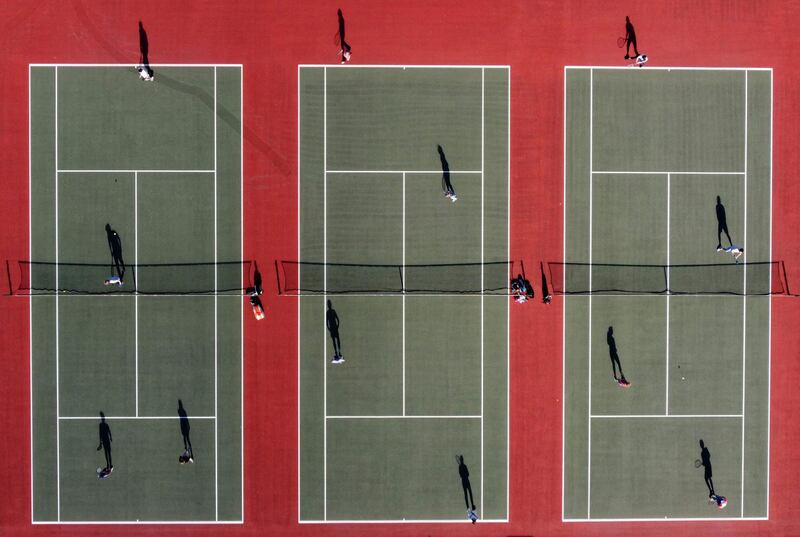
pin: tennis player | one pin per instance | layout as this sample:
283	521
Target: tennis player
145	72
472	515
735	251
640	60
721	501
113	280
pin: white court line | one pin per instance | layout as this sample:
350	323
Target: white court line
409	521
30	302
564	313
626	416
136	522
744	298
409	172
665	519
136	283
385	66
406	417
241	253
129	65
508	290
670	68
58	388
137	417
140	171
325	287
404	294
299	258
216	324
591	233
669	197
483	175
769	323
662	172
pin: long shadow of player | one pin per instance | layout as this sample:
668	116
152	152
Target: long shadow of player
346	49
546	296
463	472
144	51
115	245
332	322
447	186
722	224
705	459
188	453
614	355
105	443
630	39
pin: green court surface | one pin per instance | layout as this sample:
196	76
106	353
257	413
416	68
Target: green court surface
425	376
647	152
161	163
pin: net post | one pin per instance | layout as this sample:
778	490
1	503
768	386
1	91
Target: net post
278	278
666	279
8	273
782	268
402	282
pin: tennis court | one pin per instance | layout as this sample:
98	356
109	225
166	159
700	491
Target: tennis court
649	156
160	355
419	284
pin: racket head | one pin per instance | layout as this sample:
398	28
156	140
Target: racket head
336	39
620	42
698	463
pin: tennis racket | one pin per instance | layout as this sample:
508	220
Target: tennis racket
336	39
698	463
621	42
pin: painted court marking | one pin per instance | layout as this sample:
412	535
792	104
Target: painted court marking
667	174
403	173
136	415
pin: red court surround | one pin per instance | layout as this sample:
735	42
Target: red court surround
537	38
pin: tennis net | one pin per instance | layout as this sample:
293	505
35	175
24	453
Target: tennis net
752	278
44	278
304	277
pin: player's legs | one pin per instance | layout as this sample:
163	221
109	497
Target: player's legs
337	344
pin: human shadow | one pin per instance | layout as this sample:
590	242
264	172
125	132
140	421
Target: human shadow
546	296
614	355
705	459
188	452
144	51
447	186
630	39
115	246
345	46
229	118
463	472
722	224
332	322
105	441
